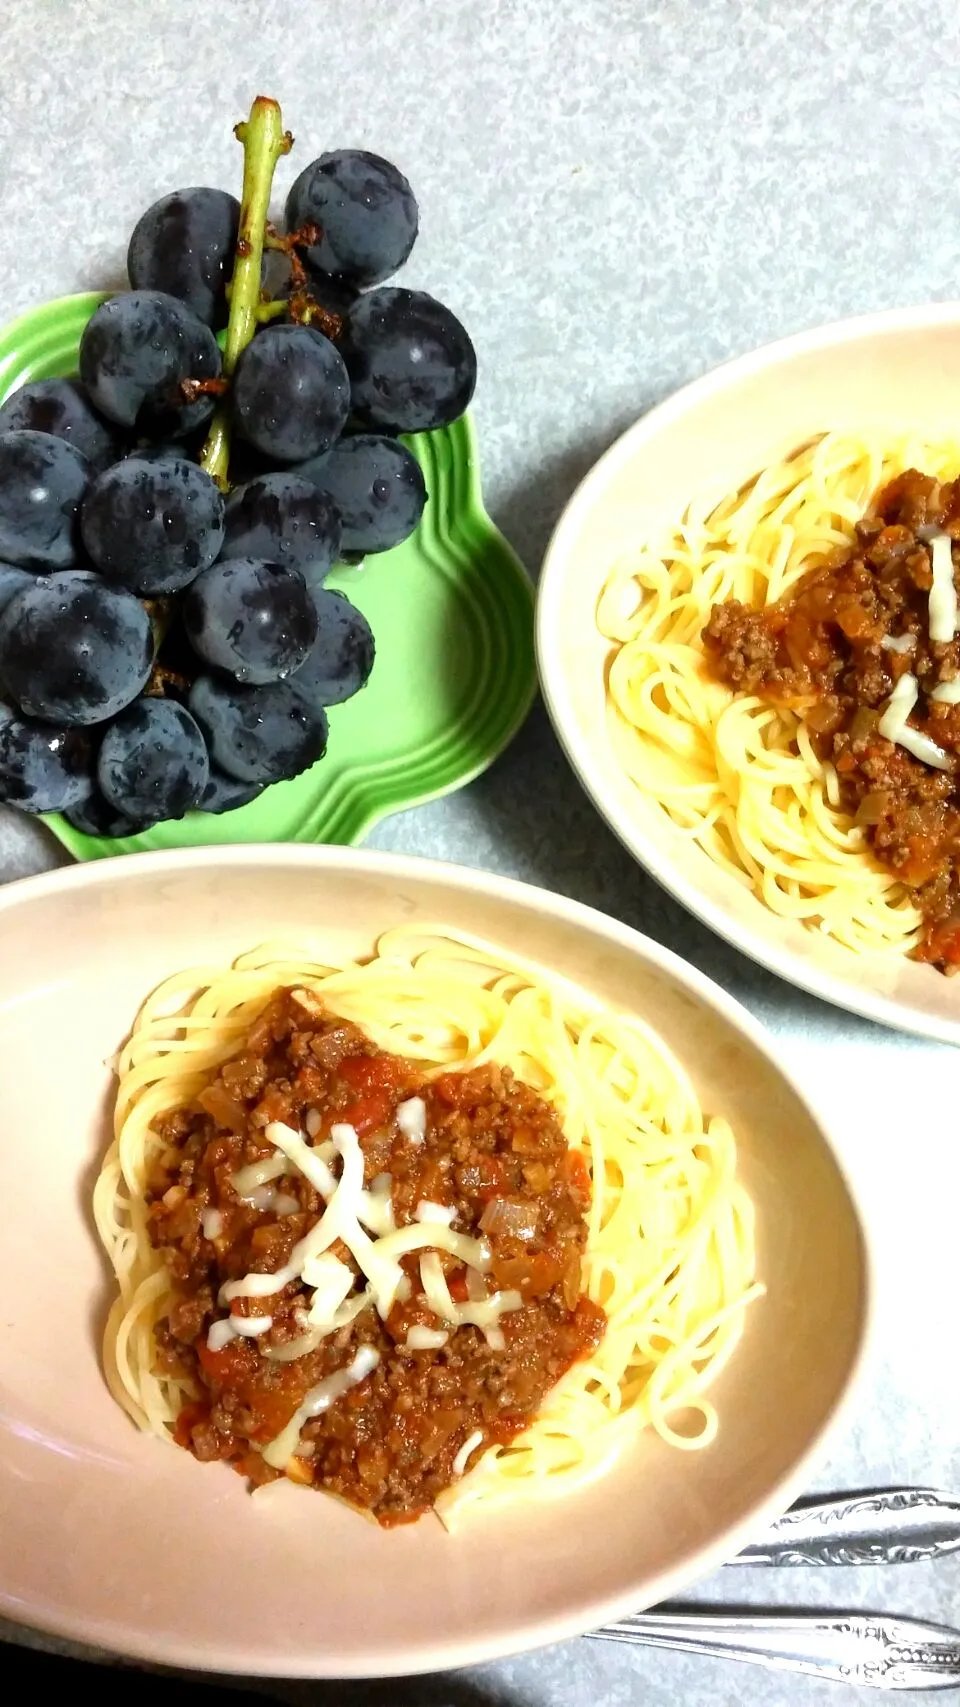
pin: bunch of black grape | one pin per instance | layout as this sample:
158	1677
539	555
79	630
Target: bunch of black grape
167	642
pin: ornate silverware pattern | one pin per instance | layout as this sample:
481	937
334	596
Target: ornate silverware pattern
875	1652
896	1526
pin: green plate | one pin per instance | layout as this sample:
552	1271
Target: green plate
452	613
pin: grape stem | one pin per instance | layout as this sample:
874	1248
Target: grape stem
264	141
303	309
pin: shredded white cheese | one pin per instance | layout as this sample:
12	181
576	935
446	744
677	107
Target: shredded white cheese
268	1198
319	1399
485	1316
942	602
425	1339
440	1214
314	1336
947	693
313	1122
482	1312
376	1212
221	1333
893	725
412	1119
347	1205
332	1282
435	1288
351	1215
248	1180
467	1449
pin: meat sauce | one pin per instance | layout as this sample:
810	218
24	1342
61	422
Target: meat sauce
820	651
492	1151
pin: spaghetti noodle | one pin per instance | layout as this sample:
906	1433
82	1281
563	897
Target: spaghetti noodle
669	1253
736	773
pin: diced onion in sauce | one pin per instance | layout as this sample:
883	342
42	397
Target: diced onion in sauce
874	807
863	723
902	643
412	1119
504	1216
212	1223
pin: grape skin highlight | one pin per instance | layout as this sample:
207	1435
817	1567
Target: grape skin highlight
152	527
42	480
73	650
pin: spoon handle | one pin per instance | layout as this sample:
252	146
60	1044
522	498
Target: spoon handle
874	1652
895	1526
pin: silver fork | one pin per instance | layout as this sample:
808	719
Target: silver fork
880	1652
879	1527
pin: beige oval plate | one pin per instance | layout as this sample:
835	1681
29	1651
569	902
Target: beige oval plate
898	370
113	1538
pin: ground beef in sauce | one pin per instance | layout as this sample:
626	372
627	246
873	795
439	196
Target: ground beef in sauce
493	1150
820	652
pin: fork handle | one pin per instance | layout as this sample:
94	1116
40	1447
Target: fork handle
876	1652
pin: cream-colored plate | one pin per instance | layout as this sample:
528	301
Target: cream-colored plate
117	1539
899	370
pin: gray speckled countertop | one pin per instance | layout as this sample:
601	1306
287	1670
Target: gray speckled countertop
616	195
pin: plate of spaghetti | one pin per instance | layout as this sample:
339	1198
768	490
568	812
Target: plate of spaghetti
441	1299
749	639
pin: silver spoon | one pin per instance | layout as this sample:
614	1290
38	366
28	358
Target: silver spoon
877	1652
883	1526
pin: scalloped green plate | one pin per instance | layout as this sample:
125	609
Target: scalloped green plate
452	612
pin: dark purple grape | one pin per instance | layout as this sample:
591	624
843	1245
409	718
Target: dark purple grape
283	519
96	817
61	408
224	793
153	762
254	620
258	734
12	582
377	486
412	366
42	768
135	353
74	651
171	450
291	394
367	211
341	658
184	245
42	480
153	526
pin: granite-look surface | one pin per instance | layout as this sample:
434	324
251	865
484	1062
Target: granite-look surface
616	194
